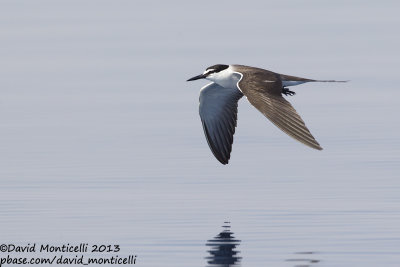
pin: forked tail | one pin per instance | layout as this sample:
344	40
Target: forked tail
330	81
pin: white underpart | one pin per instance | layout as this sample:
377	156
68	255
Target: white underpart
292	83
225	78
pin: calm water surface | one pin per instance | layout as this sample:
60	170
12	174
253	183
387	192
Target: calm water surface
101	141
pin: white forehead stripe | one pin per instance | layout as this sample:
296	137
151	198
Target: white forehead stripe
207	71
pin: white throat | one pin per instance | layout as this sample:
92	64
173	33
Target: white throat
227	78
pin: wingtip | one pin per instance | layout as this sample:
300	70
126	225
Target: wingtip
317	147
223	162
313	145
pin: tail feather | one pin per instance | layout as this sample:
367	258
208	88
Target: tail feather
330	81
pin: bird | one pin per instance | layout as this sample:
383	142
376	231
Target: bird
264	89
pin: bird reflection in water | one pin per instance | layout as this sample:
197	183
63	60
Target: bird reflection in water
223	253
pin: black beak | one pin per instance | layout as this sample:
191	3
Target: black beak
201	76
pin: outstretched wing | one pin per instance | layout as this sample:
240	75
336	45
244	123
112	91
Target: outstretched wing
265	93
218	113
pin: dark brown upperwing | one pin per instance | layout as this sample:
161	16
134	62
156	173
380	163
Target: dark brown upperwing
263	89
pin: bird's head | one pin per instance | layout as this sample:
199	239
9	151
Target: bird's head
211	73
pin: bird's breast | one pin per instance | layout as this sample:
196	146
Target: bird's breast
228	80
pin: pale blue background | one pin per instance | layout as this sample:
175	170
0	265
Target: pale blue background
101	141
